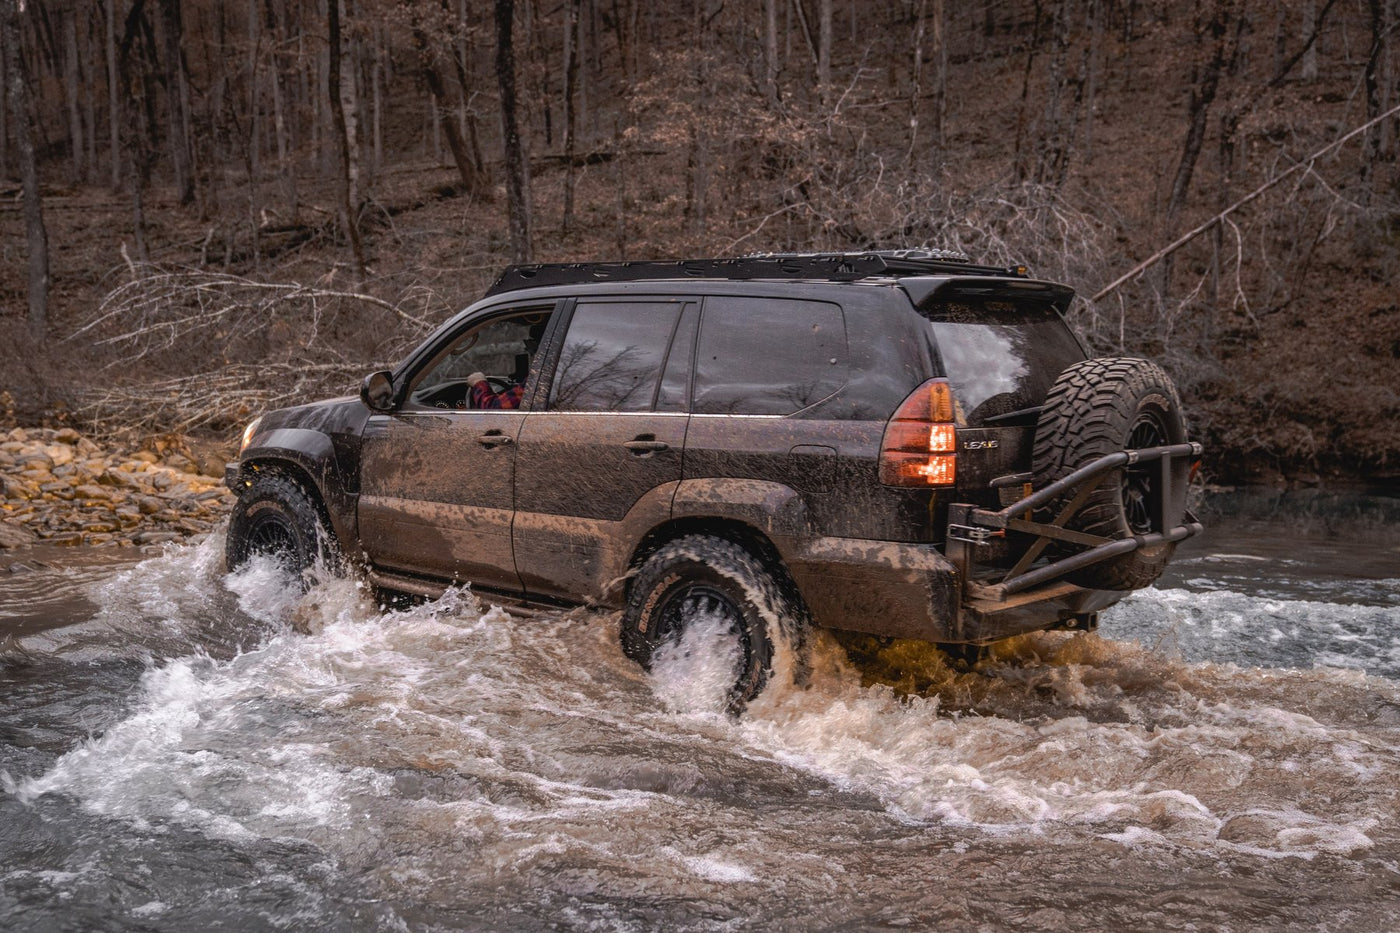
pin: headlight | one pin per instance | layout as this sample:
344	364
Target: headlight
248	433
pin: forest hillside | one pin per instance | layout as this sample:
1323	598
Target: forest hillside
212	207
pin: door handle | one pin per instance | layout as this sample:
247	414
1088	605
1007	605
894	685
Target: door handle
641	447
495	439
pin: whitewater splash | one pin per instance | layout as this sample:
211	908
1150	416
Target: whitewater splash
356	729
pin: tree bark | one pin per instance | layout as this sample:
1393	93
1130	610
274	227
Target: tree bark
72	78
517	168
445	120
1371	81
1218	28
770	50
36	235
1310	37
114	107
177	95
286	171
4	113
940	72
824	28
571	64
349	208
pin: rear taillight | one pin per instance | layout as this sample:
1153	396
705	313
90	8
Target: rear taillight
921	440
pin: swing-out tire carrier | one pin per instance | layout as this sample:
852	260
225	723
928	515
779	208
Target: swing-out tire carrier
999	602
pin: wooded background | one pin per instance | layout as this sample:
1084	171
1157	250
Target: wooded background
216	206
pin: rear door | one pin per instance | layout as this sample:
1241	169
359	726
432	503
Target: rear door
606	443
766	372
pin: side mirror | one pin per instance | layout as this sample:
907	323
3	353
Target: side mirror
377	391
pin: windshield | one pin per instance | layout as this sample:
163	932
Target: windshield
1001	356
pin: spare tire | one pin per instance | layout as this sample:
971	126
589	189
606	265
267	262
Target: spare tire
1098	407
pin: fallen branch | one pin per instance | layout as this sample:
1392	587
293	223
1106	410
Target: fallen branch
1191	234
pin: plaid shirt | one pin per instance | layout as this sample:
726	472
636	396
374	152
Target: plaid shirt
484	397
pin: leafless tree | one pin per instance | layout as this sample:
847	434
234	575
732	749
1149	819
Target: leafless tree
21	108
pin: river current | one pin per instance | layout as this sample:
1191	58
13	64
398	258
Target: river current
183	749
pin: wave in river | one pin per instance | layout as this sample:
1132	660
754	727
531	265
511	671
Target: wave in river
393	738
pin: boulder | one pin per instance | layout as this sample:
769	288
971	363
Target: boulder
12	535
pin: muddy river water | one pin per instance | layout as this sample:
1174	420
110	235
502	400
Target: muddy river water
181	749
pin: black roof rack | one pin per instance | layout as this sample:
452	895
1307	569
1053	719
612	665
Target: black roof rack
833	267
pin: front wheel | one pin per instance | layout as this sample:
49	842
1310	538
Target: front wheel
276	517
716	588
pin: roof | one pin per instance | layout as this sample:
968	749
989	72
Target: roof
831	267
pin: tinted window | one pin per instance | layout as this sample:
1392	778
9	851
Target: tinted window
768	356
1001	356
502	349
612	357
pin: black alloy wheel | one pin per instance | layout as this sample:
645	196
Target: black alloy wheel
275	517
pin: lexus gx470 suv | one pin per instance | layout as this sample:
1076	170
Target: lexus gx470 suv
898	443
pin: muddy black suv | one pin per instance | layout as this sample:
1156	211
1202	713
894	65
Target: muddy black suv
897	443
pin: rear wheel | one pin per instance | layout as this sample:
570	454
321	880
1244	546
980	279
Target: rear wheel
276	517
699	580
1095	408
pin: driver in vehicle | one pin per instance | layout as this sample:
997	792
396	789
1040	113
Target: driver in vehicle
483	396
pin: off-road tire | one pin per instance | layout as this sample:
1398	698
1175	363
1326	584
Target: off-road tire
277	517
710	571
1097	407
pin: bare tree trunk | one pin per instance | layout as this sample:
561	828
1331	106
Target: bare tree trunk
36	235
916	75
349	208
464	85
1092	54
459	60
4	113
443	119
113	100
940	72
824	28
770	50
72	80
1222	28
88	58
571	50
376	84
1375	58
286	171
136	94
1310	37
584	88
177	94
1019	159
517	167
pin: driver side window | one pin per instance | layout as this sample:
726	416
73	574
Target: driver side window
503	350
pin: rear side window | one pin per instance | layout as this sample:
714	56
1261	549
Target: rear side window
612	356
1000	356
768	356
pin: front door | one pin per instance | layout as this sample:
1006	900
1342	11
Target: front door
436	494
438	473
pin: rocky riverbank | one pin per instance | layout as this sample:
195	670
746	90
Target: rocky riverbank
58	487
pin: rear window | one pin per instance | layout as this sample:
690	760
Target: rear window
1001	356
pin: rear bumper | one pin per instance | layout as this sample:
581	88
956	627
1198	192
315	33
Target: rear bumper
914	591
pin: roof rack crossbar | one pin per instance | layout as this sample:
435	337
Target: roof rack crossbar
833	267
